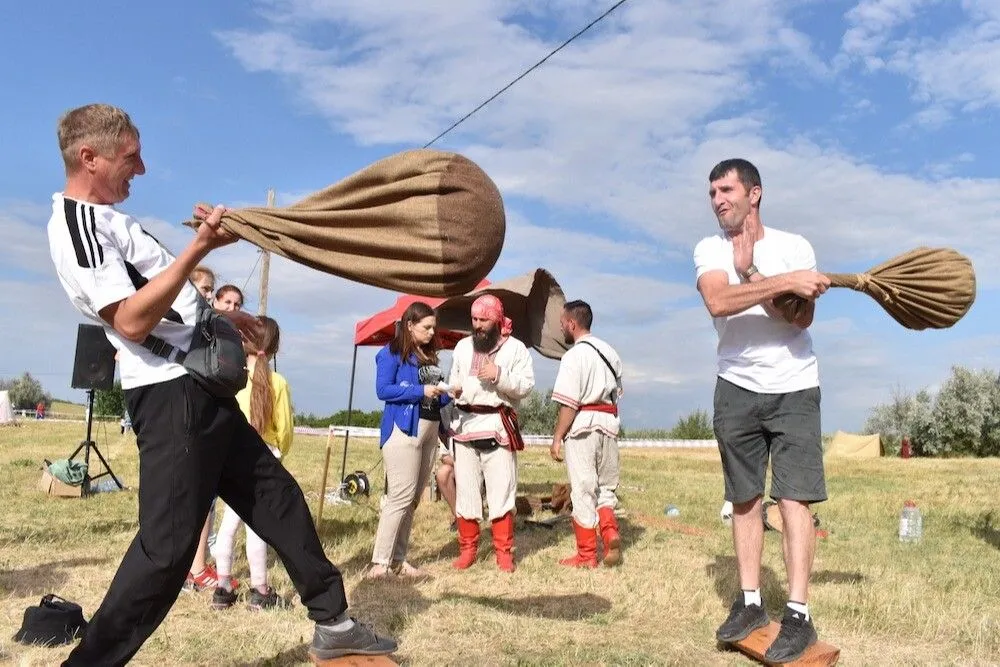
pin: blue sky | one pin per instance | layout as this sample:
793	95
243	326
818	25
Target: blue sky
873	124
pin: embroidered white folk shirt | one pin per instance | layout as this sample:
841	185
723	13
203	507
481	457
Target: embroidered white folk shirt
584	379
517	379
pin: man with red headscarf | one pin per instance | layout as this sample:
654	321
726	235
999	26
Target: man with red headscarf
491	372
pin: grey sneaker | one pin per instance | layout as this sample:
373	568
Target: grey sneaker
359	639
743	619
260	601
223	599
796	635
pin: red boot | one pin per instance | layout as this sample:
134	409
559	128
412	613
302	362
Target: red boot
503	541
609	535
586	548
468	543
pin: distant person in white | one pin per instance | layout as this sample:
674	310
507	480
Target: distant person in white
191	443
766	397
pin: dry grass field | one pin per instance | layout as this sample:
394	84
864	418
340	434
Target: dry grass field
936	602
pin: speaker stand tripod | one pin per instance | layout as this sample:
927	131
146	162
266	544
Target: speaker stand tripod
87	445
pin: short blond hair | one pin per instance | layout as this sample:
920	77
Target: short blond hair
202	270
101	126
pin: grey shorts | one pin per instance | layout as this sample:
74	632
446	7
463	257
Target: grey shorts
751	427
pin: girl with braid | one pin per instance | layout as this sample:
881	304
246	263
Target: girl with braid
266	402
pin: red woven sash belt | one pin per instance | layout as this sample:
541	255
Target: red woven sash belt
507	416
607	408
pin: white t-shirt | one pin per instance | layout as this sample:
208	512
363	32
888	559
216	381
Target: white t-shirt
103	256
756	351
584	379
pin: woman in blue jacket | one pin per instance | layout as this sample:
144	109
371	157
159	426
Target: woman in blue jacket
407	378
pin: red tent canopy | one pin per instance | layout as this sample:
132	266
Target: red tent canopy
381	327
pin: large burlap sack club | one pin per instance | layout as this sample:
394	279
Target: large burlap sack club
925	288
422	222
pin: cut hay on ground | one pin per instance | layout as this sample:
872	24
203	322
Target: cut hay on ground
880	602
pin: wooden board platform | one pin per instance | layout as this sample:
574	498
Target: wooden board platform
819	654
356	661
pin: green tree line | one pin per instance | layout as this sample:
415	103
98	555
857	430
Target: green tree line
961	419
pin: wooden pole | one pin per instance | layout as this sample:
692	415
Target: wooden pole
265	265
326	467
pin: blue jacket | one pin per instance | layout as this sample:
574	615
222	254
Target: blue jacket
398	384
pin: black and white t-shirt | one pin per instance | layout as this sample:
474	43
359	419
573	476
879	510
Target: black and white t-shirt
103	256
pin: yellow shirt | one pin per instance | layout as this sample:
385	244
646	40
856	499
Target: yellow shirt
280	431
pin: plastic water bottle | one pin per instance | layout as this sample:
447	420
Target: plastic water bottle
911	523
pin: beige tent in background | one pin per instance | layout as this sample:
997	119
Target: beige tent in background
6	412
855	446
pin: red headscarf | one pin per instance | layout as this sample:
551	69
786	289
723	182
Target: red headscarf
489	307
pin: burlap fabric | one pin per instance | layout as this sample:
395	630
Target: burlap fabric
533	301
926	288
422	222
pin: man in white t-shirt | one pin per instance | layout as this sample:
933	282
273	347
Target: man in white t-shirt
587	389
191	443
767	396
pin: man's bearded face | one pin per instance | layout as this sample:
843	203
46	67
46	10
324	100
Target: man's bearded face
485	334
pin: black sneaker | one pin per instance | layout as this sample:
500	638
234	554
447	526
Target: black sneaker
259	601
797	634
742	620
359	639
223	599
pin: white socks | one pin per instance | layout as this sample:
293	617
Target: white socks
799	607
341	623
753	597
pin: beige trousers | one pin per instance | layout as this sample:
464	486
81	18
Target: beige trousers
592	463
497	468
407	461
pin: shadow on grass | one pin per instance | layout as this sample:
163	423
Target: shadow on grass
727	584
389	605
835	577
553	607
987	529
127	525
43	578
530	538
527	540
292	656
342	528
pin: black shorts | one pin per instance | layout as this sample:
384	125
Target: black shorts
751	427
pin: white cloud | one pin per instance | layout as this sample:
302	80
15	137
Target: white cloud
624	126
24	226
872	24
625	123
618	131
951	71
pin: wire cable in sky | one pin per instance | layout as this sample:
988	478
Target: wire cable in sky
260	254
528	71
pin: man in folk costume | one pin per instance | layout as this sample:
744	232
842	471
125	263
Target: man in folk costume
587	389
491	372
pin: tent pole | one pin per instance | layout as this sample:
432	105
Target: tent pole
326	467
350	409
